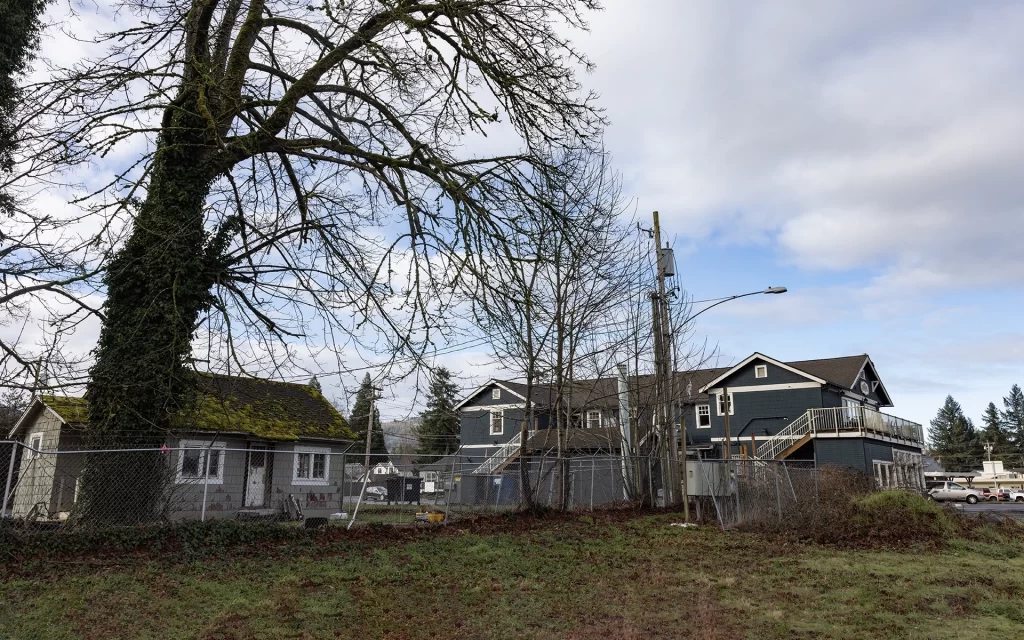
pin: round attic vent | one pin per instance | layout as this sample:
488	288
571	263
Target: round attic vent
864	388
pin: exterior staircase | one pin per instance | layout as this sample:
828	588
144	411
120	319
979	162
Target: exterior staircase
504	455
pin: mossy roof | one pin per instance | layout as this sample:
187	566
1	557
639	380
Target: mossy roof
264	408
70	410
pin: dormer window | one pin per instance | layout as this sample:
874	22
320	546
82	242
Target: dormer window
496	394
761	371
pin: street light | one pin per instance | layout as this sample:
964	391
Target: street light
769	290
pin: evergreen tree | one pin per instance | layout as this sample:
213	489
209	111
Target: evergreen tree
315	384
360	418
19	39
438	433
954	439
994	431
1013	417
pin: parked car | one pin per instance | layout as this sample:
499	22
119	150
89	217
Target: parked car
376	494
994	495
955	491
1016	496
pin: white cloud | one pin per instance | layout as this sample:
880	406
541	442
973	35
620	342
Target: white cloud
885	136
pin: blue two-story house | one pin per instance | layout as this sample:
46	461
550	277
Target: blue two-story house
826	412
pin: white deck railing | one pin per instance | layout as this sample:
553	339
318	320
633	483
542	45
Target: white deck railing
503	454
839	420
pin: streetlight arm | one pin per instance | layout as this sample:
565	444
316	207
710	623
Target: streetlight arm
773	290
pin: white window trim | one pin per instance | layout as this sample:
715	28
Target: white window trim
732	404
32	455
311	482
496	393
760	371
600	418
501	422
696	410
200	444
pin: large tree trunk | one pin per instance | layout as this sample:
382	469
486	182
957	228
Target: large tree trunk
157	286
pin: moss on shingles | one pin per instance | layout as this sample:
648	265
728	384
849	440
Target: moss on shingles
70	410
264	417
267	419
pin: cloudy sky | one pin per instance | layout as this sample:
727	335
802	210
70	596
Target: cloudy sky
865	155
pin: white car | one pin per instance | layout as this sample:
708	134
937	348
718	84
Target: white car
1016	496
955	491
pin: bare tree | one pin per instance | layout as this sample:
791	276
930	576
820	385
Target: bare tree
295	153
552	317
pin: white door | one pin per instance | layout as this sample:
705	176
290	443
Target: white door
256	486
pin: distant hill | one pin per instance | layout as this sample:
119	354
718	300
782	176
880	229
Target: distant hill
400	435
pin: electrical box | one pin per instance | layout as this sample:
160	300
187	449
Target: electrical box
668	262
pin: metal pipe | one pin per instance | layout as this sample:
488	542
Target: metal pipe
206	483
10	477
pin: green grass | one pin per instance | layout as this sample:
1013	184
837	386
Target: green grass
577	578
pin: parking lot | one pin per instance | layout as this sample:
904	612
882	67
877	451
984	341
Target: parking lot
1013	510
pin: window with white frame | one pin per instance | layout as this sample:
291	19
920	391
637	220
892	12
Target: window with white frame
593	419
312	465
703	416
761	371
495	393
497	422
35	443
201	461
721	409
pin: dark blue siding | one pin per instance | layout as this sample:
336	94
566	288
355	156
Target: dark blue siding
756	411
855	453
846	453
776	375
476	426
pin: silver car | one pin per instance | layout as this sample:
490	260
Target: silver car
955	491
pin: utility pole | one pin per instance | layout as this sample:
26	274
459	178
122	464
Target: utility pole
663	362
366	460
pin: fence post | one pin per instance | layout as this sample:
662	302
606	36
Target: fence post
592	472
10	477
650	483
736	480
778	493
790	480
206	482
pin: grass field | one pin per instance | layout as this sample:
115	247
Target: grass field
612	577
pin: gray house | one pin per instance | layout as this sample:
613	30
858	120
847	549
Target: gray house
825	412
250	446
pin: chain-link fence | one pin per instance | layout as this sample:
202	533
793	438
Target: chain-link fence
80	488
747	491
318	485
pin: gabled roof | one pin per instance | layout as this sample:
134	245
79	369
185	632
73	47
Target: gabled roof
507	386
760	356
842	372
264	408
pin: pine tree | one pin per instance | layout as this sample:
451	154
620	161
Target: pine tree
438	433
315	384
954	439
994	431
1012	417
359	419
